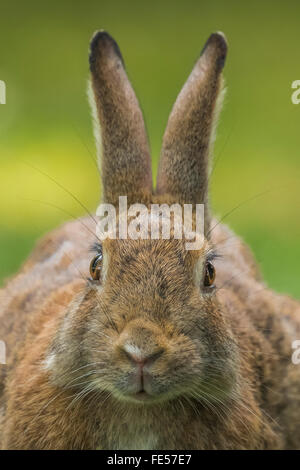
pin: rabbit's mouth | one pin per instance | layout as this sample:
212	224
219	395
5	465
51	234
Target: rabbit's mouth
147	387
139	385
142	395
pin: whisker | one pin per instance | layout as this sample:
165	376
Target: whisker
237	207
104	309
217	158
93	159
64	189
64	211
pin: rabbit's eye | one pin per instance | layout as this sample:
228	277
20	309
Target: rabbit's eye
210	274
95	267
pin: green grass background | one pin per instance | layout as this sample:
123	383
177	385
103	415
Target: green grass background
46	123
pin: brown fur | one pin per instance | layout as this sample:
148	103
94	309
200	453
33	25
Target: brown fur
123	136
222	377
186	142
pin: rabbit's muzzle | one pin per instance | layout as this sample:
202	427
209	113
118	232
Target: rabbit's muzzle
142	352
142	363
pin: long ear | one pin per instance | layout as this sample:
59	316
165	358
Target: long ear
124	152
184	167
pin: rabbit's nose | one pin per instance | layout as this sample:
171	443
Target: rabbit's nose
140	357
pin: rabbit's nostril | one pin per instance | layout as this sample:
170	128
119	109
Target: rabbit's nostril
140	357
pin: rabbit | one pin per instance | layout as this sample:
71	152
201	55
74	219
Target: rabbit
141	343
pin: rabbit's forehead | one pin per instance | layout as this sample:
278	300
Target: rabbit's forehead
161	248
152	259
162	243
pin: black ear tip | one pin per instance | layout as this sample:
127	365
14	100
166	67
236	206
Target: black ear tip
102	43
218	37
217	46
100	37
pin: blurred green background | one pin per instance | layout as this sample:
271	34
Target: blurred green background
46	124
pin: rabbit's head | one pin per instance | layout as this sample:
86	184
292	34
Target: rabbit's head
148	327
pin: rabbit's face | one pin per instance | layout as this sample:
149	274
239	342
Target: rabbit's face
150	328
155	328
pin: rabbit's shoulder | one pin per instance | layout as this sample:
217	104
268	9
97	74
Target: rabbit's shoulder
249	301
56	269
59	257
